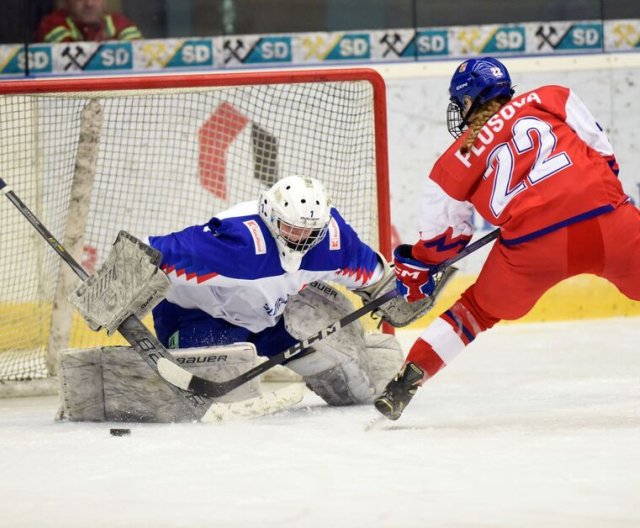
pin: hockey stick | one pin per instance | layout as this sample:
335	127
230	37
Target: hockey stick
188	381
132	329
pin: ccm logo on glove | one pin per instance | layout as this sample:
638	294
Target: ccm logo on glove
413	278
408	274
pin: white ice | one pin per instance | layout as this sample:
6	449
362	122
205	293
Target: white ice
534	425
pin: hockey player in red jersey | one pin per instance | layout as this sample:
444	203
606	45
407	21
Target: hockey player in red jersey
539	166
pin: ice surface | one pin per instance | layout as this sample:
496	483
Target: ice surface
534	425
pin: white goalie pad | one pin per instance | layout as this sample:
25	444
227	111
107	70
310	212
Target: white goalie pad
129	282
347	367
385	357
114	384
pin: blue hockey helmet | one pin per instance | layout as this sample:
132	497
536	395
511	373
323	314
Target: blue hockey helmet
481	80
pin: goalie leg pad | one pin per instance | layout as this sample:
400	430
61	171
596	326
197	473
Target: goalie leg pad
113	384
385	357
129	282
340	369
340	386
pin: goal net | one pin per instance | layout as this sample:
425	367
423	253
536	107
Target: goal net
155	154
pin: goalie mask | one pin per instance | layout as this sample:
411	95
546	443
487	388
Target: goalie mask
297	212
479	80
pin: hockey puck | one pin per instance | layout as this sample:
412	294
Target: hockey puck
119	432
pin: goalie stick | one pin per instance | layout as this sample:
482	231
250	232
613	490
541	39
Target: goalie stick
188	381
132	329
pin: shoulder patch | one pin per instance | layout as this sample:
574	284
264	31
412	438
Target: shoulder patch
258	238
334	235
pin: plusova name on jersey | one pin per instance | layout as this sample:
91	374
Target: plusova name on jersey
495	124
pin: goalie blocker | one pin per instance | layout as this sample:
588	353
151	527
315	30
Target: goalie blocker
128	283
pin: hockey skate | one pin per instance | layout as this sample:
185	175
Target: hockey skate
399	391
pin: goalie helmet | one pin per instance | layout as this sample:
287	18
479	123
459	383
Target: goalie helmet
297	212
480	80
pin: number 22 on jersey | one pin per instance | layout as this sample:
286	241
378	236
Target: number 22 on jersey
503	159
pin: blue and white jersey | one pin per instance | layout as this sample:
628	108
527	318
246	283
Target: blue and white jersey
230	269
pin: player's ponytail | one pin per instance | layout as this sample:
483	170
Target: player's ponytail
482	115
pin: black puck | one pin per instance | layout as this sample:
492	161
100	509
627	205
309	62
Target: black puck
120	432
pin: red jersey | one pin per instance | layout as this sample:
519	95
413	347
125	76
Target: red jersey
58	26
540	163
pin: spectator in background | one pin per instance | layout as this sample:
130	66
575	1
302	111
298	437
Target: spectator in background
85	20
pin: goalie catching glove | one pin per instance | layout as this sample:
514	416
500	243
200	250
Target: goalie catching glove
398	312
128	283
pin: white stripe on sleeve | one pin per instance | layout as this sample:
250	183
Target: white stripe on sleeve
582	121
439	212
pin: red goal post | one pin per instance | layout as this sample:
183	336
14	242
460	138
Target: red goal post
154	153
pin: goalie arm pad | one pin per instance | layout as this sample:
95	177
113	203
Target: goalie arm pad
380	287
128	283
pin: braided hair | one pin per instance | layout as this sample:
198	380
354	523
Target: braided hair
482	115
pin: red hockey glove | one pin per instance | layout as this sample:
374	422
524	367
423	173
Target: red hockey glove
413	278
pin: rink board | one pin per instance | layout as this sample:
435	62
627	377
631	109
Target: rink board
582	297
